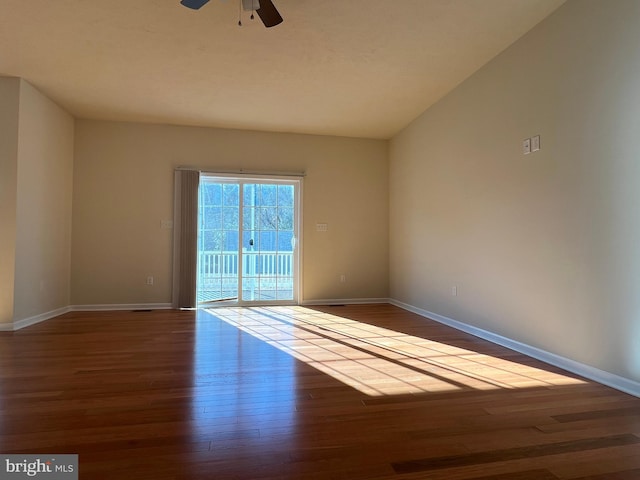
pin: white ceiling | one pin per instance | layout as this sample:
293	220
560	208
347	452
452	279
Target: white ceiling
362	68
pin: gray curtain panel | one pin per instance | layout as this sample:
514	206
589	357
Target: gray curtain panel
185	238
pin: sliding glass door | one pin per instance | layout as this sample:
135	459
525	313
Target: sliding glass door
247	240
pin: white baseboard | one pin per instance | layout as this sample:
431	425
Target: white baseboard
121	306
623	384
27	322
344	301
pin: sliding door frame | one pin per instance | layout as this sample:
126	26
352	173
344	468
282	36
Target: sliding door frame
276	179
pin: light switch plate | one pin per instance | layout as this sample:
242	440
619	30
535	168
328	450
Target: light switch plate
321	227
526	146
535	143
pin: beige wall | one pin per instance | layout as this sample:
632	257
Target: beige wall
9	105
44	194
543	248
36	171
123	189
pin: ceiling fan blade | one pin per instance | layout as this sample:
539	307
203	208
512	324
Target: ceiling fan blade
269	14
194	4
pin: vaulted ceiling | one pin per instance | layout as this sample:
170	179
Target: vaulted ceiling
362	68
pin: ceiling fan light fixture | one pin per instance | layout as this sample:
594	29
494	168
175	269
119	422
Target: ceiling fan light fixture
250	5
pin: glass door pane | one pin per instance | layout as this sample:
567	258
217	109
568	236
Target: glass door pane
218	241
268	242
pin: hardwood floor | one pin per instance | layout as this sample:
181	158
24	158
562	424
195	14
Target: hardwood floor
345	392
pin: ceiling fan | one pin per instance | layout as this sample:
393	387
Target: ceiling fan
265	8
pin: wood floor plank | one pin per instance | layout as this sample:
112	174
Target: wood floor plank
633	474
625	460
350	392
493	456
538	474
597	414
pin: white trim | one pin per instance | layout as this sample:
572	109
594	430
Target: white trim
241	172
344	301
175	246
299	242
623	384
27	322
120	306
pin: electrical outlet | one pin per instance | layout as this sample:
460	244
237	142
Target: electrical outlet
343	278
149	280
454	291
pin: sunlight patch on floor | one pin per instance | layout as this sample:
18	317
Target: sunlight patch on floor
379	361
